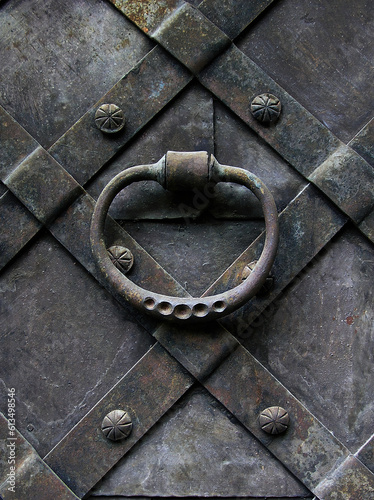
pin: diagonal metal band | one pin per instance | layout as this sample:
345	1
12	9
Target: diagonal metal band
33	478
343	175
197	344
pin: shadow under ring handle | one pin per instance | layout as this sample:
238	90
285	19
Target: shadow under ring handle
186	309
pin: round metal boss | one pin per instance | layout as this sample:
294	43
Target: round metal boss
266	108
109	118
175	171
116	425
121	257
274	420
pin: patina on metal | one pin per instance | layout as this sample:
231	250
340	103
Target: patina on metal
274	420
266	287
179	177
109	118
116	425
266	108
121	257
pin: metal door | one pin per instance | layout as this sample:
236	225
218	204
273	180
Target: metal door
184	76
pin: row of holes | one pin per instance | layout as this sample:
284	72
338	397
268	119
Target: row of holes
183	311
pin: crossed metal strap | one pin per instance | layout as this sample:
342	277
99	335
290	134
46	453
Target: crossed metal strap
214	358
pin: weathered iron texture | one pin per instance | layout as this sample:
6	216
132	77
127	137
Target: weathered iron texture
366	454
141	93
33	479
181	171
313	51
306	225
18	226
307	448
147	391
190	37
60	59
348	180
363	142
233	16
199	446
43	186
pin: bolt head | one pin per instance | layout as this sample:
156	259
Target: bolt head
116	425
274	420
121	257
266	108
109	118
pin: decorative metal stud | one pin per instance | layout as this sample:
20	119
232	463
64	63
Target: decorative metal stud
109	118
266	287
116	425
274	420
121	257
266	108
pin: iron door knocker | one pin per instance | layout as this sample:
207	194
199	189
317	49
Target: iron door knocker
176	171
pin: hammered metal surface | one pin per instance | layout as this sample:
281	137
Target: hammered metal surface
199	446
65	346
33	478
329	308
319	51
304	237
61	57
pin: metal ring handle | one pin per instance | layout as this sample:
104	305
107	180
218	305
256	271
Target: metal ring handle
166	173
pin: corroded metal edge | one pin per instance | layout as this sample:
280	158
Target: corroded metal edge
32	476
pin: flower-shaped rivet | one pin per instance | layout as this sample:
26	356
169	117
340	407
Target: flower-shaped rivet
266	287
116	425
121	257
266	108
109	118
274	420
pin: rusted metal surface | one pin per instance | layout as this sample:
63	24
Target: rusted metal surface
43	186
116	425
147	391
190	37
171	172
233	16
148	14
30	477
350	481
348	180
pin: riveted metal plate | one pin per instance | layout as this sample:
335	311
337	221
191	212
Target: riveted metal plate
148	390
141	94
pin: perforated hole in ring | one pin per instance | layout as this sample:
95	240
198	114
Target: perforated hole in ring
149	303
219	306
200	310
182	311
165	308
